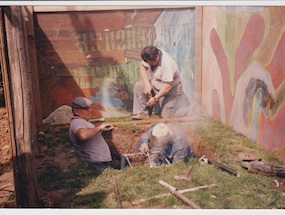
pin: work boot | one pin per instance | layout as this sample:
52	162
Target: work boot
140	116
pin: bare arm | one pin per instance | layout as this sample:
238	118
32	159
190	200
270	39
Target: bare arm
145	78
88	133
162	92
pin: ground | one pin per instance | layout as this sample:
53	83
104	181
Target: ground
119	144
44	157
59	155
6	173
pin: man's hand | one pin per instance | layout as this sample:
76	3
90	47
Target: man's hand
106	127
144	148
147	88
151	102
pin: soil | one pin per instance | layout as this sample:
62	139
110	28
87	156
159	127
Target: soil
6	166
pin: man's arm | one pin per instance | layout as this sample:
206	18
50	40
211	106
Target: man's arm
144	140
145	78
88	133
162	92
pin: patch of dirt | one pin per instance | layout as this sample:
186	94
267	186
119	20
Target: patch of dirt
126	143
6	172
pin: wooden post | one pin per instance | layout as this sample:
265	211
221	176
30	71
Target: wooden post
33	65
22	109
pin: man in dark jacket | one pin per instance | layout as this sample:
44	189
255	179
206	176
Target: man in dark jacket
164	144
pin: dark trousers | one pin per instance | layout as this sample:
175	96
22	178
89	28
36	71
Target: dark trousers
98	166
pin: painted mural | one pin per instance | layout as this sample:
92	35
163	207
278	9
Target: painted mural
97	55
244	71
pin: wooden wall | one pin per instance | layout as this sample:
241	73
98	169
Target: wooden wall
97	54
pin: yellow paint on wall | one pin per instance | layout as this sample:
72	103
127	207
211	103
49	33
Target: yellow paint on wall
231	35
274	18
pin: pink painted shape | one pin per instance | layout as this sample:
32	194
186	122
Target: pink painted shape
216	105
271	132
277	66
224	68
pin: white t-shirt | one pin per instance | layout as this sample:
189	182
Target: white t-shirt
166	71
93	150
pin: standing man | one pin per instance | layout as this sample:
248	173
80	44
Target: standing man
160	86
87	137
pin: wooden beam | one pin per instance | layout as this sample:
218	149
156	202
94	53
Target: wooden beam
133	122
22	109
38	9
153	121
33	64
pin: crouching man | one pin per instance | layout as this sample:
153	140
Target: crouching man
165	145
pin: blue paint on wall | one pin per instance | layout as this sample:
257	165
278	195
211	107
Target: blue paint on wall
175	33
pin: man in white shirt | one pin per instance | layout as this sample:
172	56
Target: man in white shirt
160	86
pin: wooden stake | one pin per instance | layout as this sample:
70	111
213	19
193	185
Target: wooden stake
185	176
117	192
136	202
174	191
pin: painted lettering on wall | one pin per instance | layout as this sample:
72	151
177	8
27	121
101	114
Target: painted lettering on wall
92	77
128	39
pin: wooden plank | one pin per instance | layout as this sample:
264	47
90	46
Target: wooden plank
50	8
23	109
34	67
82	60
137	122
99	20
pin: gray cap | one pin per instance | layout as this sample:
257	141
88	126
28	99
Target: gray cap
81	103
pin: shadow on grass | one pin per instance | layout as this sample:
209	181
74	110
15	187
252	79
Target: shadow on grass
94	200
62	186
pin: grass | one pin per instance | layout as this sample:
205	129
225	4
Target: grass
91	189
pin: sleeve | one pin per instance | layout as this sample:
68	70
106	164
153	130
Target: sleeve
145	64
167	74
77	125
144	140
181	150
